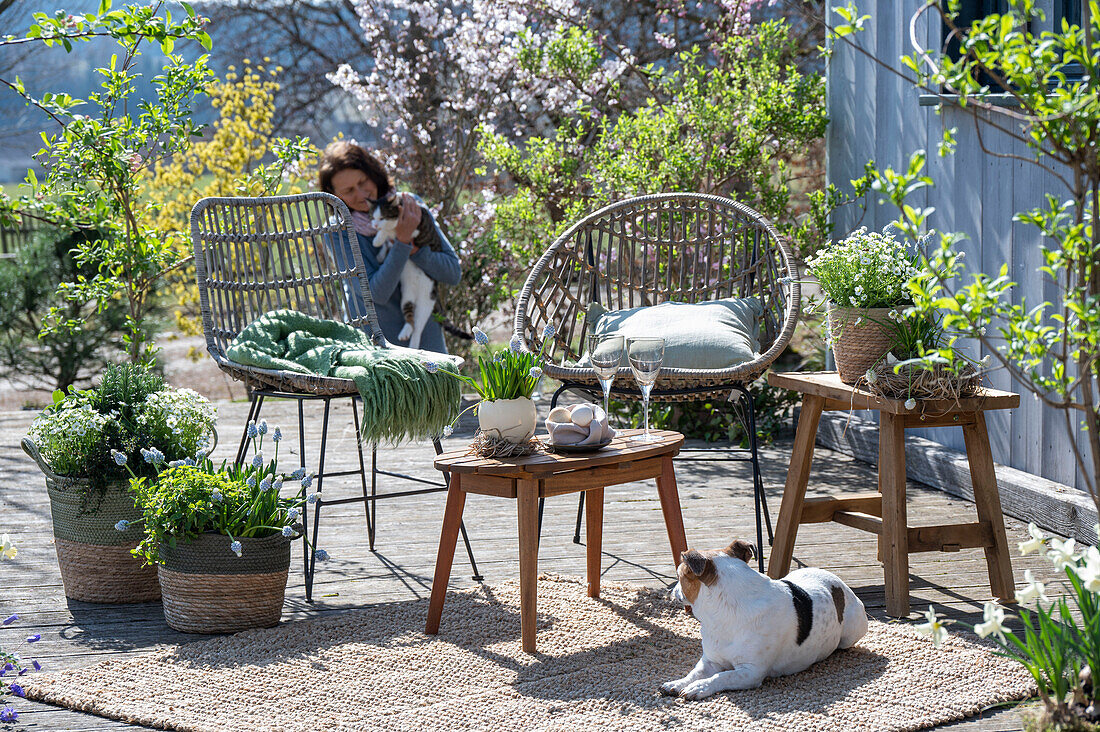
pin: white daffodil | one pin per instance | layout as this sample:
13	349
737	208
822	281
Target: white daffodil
935	628
1061	553
8	550
994	622
1035	543
1033	591
1089	573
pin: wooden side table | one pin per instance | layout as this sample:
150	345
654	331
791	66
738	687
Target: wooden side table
529	478
884	512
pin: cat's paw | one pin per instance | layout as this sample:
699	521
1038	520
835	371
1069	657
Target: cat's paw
406	332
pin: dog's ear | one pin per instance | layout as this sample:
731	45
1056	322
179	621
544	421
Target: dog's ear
695	562
742	550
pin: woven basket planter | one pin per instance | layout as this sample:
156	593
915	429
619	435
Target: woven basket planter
206	588
860	338
95	559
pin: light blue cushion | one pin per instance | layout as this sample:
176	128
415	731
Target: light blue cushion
717	334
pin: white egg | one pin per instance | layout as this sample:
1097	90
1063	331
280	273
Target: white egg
582	415
558	414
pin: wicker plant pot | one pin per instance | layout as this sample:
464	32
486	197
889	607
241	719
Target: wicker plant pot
860	338
206	588
95	559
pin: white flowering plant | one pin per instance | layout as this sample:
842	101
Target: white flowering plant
868	269
190	497
508	374
130	410
1052	644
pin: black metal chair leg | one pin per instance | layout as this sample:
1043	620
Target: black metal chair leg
757	476
367	505
305	509
373	492
476	577
580	516
317	510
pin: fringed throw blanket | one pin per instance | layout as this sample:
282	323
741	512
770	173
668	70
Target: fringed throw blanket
401	398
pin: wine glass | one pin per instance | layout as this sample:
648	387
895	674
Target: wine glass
606	352
645	356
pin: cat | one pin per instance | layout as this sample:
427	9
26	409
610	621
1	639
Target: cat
418	295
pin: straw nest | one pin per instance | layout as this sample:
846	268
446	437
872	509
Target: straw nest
490	446
917	382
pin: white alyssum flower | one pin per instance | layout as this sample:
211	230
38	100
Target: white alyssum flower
8	549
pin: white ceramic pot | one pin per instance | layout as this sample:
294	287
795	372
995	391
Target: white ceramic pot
513	420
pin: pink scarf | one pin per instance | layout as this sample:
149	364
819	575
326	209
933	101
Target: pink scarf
363	223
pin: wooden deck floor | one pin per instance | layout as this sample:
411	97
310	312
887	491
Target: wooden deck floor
716	503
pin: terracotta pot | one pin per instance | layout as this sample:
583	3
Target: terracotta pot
860	337
513	420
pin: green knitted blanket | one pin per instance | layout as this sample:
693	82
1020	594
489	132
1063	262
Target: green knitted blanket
401	398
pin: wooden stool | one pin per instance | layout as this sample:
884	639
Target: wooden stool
883	512
529	478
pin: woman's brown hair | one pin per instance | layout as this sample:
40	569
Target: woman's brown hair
342	155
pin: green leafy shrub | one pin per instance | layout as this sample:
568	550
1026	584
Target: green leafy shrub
192	497
61	358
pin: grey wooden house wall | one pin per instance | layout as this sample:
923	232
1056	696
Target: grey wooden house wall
875	114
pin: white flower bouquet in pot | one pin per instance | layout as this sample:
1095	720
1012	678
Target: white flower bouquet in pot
864	278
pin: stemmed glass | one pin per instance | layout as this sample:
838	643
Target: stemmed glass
645	355
606	352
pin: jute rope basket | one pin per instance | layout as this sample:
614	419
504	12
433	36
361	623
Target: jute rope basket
95	560
859	339
206	588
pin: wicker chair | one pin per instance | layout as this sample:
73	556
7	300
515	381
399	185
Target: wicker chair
682	247
253	255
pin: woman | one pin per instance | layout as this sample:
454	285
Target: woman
358	179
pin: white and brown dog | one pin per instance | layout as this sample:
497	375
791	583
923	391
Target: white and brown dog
754	627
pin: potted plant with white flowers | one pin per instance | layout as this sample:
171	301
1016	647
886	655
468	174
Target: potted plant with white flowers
220	537
864	278
82	443
506	412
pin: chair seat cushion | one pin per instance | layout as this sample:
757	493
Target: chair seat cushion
717	334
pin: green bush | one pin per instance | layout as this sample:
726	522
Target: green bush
714	420
61	358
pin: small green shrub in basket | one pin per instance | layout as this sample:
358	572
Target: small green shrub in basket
190	497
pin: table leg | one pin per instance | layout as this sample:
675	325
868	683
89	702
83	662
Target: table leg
670	507
527	495
894	540
988	504
594	538
794	492
448	537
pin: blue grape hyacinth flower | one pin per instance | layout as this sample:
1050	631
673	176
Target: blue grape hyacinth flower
122	525
236	548
288	532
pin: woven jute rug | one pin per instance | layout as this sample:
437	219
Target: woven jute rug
599	666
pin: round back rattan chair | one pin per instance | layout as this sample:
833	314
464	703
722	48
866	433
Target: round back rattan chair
254	255
682	247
